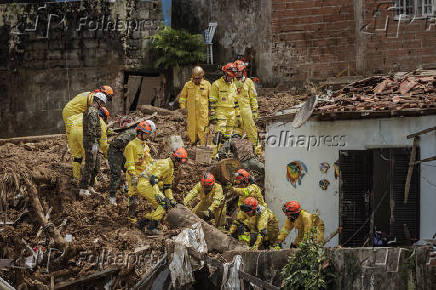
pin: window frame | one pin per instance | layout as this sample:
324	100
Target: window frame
397	15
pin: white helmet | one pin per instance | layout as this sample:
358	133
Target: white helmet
100	96
152	125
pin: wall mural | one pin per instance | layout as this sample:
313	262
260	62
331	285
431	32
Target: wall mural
295	172
324	167
324	184
336	167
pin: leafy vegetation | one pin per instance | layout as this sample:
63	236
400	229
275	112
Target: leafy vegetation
309	268
171	48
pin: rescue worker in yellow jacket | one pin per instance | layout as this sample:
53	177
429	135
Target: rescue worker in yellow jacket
161	170
259	226
81	102
223	105
137	155
75	138
195	99
246	96
302	220
212	205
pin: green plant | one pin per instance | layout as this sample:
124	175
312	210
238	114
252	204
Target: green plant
171	47
309	267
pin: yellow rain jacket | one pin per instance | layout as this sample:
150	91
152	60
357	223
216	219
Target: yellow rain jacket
252	190
246	96
77	105
162	170
222	101
137	154
264	224
75	141
213	201
303	224
196	99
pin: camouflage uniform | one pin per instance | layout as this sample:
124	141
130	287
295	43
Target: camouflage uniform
243	151
91	135
116	158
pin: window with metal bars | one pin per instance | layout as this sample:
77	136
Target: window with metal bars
414	8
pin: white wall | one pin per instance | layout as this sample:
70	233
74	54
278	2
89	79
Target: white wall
312	148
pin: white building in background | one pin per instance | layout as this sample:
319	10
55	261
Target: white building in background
372	153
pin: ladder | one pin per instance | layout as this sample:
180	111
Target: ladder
208	36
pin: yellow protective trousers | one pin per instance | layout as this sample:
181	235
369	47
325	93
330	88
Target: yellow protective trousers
246	97
77	150
150	193
225	121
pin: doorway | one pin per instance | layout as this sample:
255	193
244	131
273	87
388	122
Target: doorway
371	189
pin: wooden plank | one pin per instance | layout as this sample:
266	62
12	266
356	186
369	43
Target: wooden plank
420	132
87	281
426	160
29	139
411	166
256	281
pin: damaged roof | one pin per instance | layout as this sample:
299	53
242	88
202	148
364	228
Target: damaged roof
402	94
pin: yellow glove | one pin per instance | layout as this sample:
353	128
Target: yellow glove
255	116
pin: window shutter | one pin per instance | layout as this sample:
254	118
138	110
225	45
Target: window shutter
354	187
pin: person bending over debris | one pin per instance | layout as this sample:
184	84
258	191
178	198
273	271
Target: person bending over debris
259	226
137	155
117	160
242	150
80	103
223	105
91	135
75	138
246	96
212	203
195	98
148	186
302	220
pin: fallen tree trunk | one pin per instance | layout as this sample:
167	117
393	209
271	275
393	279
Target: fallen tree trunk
217	241
29	139
149	109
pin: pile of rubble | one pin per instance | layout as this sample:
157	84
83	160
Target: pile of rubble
404	91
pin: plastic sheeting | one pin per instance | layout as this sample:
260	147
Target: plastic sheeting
182	266
231	274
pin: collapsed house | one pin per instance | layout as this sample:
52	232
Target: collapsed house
364	159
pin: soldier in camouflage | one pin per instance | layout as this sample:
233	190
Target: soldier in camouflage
242	150
91	136
116	159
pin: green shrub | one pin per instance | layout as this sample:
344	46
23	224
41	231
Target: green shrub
171	48
309	267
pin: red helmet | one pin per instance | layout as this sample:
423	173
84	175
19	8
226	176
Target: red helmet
239	65
229	69
250	204
291	207
242	175
208	179
180	154
104	113
144	127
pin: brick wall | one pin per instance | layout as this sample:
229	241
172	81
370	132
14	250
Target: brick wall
318	39
42	69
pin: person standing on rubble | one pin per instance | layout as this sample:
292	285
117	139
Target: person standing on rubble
302	220
161	170
212	205
258	226
137	156
246	96
194	98
117	160
223	105
243	151
75	138
81	102
91	135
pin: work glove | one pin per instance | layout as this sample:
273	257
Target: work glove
153	180
277	246
255	116
94	148
134	180
173	202
212	119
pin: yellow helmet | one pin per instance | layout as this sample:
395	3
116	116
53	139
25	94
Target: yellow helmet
197	72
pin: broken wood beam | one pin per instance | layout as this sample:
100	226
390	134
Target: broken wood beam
410	171
420	133
216	240
426	160
87	281
256	281
29	139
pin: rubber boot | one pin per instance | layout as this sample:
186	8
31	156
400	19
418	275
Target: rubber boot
142	223
76	171
132	208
